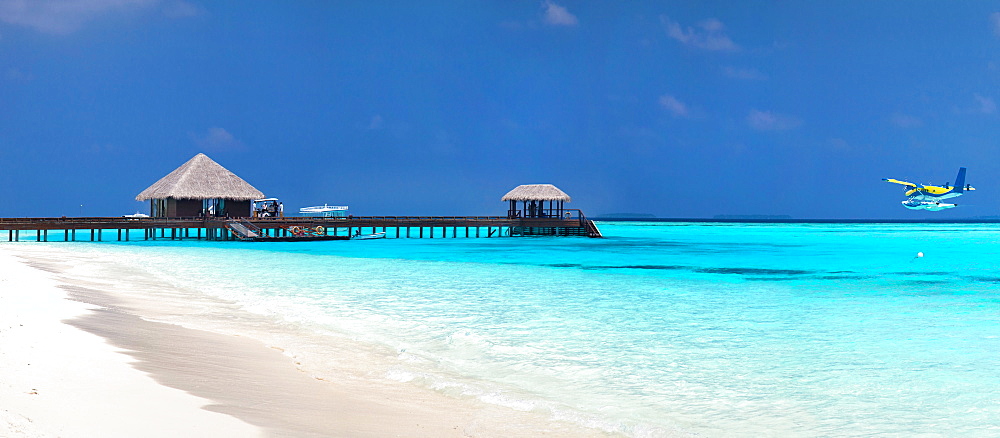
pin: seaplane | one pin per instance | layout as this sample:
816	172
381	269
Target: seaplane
928	197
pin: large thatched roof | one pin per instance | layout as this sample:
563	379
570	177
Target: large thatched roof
536	192
201	178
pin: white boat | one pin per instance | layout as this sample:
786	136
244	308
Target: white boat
136	215
368	236
324	210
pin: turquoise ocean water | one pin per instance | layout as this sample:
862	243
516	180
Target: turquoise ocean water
660	329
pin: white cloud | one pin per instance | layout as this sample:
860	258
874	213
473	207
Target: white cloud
217	139
182	9
746	74
558	15
769	121
62	17
986	104
995	22
676	107
708	34
905	121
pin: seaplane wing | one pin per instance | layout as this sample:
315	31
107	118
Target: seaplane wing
896	181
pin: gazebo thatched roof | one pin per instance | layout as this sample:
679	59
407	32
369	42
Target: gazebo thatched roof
201	178
536	192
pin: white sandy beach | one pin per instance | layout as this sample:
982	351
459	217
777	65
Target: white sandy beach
62	381
78	360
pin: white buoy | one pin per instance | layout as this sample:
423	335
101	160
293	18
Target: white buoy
920	254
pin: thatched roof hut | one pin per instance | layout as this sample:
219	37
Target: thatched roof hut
533	197
200	187
536	192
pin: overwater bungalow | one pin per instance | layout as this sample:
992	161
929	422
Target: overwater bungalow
200	188
533	198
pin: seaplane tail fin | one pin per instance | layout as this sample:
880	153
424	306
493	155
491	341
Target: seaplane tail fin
960	180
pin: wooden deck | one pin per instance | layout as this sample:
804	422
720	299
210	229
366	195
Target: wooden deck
124	229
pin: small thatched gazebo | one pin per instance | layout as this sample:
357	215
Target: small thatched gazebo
532	198
200	187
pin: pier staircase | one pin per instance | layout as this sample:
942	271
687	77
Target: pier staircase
243	230
591	228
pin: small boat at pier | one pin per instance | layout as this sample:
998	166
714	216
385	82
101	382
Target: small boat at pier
324	210
368	236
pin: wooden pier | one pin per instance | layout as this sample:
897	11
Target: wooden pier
215	228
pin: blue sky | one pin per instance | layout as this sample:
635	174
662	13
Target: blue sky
673	108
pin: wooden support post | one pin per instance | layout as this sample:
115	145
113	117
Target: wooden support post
466	232
91	235
477	231
421	232
65	235
432	231
397	231
119	234
99	234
